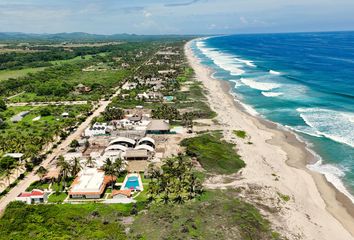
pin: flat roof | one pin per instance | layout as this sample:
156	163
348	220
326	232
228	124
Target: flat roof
158	125
89	180
134	153
14	155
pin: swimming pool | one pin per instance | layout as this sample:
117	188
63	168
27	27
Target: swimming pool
132	183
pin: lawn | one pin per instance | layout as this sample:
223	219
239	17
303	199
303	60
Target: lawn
217	215
57	197
38	185
215	155
6	74
63	221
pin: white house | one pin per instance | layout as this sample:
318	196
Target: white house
33	197
98	129
90	184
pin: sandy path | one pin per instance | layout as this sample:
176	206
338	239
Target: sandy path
305	216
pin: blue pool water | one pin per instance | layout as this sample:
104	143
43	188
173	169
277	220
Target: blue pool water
304	81
132	182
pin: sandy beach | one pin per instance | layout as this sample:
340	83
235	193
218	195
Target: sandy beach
276	160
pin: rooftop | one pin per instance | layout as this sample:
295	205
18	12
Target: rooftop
158	125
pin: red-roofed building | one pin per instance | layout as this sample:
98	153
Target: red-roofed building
122	193
33	197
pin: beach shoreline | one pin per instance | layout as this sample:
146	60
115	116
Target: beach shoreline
319	210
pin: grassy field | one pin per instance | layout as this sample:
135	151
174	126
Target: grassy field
73	60
58	221
6	74
195	99
102	84
217	215
214	154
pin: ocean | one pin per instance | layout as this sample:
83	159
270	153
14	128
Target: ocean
303	81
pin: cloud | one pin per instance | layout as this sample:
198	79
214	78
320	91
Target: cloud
181	4
243	20
147	14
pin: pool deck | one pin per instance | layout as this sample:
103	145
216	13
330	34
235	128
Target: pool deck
133	175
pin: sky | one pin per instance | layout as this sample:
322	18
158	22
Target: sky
175	16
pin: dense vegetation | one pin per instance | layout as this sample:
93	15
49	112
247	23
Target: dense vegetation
177	183
215	155
217	215
29	136
85	221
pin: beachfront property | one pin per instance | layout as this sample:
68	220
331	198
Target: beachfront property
90	184
34	197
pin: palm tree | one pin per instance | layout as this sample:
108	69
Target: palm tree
64	169
90	162
75	166
178	199
7	174
109	169
41	172
165	199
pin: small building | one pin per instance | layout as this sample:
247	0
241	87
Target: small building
119	194
33	197
90	184
135	118
136	154
98	129
129	85
65	115
16	156
158	126
19	117
82	88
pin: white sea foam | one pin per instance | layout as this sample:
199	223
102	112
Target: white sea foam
304	129
237	83
264	86
338	126
274	72
333	174
247	62
272	94
225	61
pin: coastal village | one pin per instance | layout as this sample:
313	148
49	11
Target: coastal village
138	141
136	137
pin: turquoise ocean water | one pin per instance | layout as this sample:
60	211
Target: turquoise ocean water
303	81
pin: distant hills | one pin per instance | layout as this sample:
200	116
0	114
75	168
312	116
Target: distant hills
81	36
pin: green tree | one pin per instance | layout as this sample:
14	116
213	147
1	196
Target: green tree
74	143
113	113
41	172
75	166
64	169
90	162
3	106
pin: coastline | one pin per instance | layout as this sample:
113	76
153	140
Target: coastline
318	209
